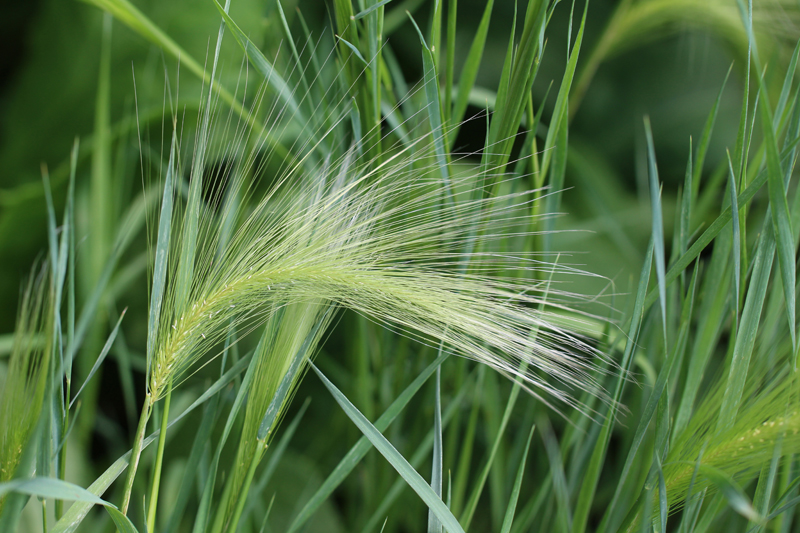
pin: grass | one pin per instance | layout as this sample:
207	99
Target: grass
301	195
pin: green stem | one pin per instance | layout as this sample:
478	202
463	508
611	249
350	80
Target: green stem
136	452
62	463
162	437
261	445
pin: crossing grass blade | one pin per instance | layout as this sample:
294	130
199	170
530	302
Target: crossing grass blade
409	474
592	473
652	402
422	453
100	358
132	17
508	520
472	502
716	227
434	524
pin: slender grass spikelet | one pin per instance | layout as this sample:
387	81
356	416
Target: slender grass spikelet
26	380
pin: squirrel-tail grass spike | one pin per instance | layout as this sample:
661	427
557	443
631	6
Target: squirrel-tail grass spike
386	238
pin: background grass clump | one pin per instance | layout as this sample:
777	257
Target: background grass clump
541	256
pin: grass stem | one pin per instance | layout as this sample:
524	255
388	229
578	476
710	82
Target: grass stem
62	462
162	437
261	445
136	452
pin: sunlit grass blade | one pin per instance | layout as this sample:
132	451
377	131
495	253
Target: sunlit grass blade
734	495
276	454
132	17
411	476
658	224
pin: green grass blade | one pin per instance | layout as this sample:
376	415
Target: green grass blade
45	487
592	472
129	15
781	220
562	99
434	524
719	223
652	402
556	184
737	239
733	494
472	502
663	506
265	67
188	482
204	510
560	487
433	105
693	501
278	402
658	224
78	511
370	9
100	358
746	336
705	137
411	476
360	449
786	89
162	251
277	452
422	452
508	520
469	72
452	12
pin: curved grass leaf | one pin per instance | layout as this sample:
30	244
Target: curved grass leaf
360	449
411	476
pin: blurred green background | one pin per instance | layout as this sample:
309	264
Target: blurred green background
48	86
